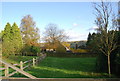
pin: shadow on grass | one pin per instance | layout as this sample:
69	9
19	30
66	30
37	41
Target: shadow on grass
48	72
72	64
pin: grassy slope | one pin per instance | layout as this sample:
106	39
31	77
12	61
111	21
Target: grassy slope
53	67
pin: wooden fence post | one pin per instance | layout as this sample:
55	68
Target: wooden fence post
21	65
33	61
6	70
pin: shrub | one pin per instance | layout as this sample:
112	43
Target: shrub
31	50
35	49
73	55
117	65
79	50
101	63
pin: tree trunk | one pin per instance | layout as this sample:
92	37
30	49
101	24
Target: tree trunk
109	71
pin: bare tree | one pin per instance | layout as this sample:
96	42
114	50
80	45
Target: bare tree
106	29
53	35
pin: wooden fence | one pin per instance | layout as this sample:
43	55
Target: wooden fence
20	67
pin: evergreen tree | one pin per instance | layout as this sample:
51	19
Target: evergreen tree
11	40
88	39
17	39
6	40
91	42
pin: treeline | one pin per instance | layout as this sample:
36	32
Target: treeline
102	60
21	40
106	41
25	40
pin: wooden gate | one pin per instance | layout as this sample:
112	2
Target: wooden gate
22	66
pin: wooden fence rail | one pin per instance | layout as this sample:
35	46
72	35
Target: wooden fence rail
22	65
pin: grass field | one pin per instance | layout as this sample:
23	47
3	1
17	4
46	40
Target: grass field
53	67
56	67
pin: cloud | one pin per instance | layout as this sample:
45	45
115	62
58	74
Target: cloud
93	28
75	24
76	36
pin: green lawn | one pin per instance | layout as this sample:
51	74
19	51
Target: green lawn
54	67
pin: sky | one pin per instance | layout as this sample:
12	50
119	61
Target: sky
76	18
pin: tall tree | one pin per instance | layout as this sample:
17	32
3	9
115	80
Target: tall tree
17	39
106	39
30	33
6	40
53	35
11	40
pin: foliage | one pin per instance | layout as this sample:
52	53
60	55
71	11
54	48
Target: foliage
30	33
92	41
79	50
6	40
35	49
71	55
117	67
89	39
101	63
31	50
17	39
116	56
11	40
14	43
